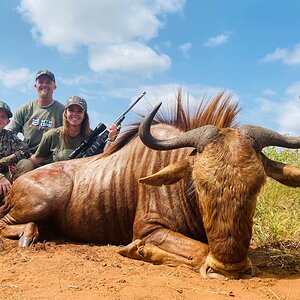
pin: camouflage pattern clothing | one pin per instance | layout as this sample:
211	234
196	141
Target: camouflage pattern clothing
12	149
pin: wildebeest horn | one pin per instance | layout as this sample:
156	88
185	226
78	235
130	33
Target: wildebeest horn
197	138
264	137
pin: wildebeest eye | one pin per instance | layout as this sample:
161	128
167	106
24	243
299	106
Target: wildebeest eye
193	153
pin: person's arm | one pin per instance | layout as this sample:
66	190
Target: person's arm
18	149
112	134
44	150
37	160
5	185
18	121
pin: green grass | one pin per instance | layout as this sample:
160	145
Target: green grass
277	216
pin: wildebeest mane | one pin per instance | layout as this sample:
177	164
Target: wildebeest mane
219	112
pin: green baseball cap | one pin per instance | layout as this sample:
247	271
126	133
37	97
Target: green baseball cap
4	106
45	72
78	101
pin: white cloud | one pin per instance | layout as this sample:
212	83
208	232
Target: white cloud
265	105
133	57
294	90
76	80
166	93
107	25
283	114
287	56
289	111
185	48
288	118
17	78
156	93
216	41
269	92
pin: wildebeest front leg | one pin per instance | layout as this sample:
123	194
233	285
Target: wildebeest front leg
175	250
27	233
151	253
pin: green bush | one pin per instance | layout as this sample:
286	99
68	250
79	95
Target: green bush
277	216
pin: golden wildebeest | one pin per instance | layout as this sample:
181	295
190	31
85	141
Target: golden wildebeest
196	209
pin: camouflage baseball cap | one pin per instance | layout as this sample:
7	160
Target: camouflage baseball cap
78	101
45	72
4	106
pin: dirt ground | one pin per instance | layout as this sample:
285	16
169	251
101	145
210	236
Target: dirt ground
67	270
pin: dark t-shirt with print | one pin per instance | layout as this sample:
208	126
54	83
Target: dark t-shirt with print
32	121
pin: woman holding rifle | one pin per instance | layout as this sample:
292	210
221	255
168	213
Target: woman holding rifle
60	142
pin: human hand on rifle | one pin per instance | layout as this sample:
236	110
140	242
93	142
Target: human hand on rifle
112	132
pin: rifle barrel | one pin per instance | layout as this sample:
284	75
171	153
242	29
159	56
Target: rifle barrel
134	103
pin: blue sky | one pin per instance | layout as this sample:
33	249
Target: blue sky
109	52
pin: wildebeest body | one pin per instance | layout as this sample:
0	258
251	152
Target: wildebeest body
95	200
194	209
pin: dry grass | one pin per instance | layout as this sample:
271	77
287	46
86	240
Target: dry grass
278	207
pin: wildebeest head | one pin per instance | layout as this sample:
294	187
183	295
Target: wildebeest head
228	170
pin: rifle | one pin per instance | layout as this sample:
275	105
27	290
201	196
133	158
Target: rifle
95	143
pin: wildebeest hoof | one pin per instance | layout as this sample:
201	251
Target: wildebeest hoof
24	241
131	249
208	272
142	251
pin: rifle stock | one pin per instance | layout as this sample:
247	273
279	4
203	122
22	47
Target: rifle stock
99	135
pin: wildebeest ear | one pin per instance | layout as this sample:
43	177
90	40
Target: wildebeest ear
170	174
283	173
